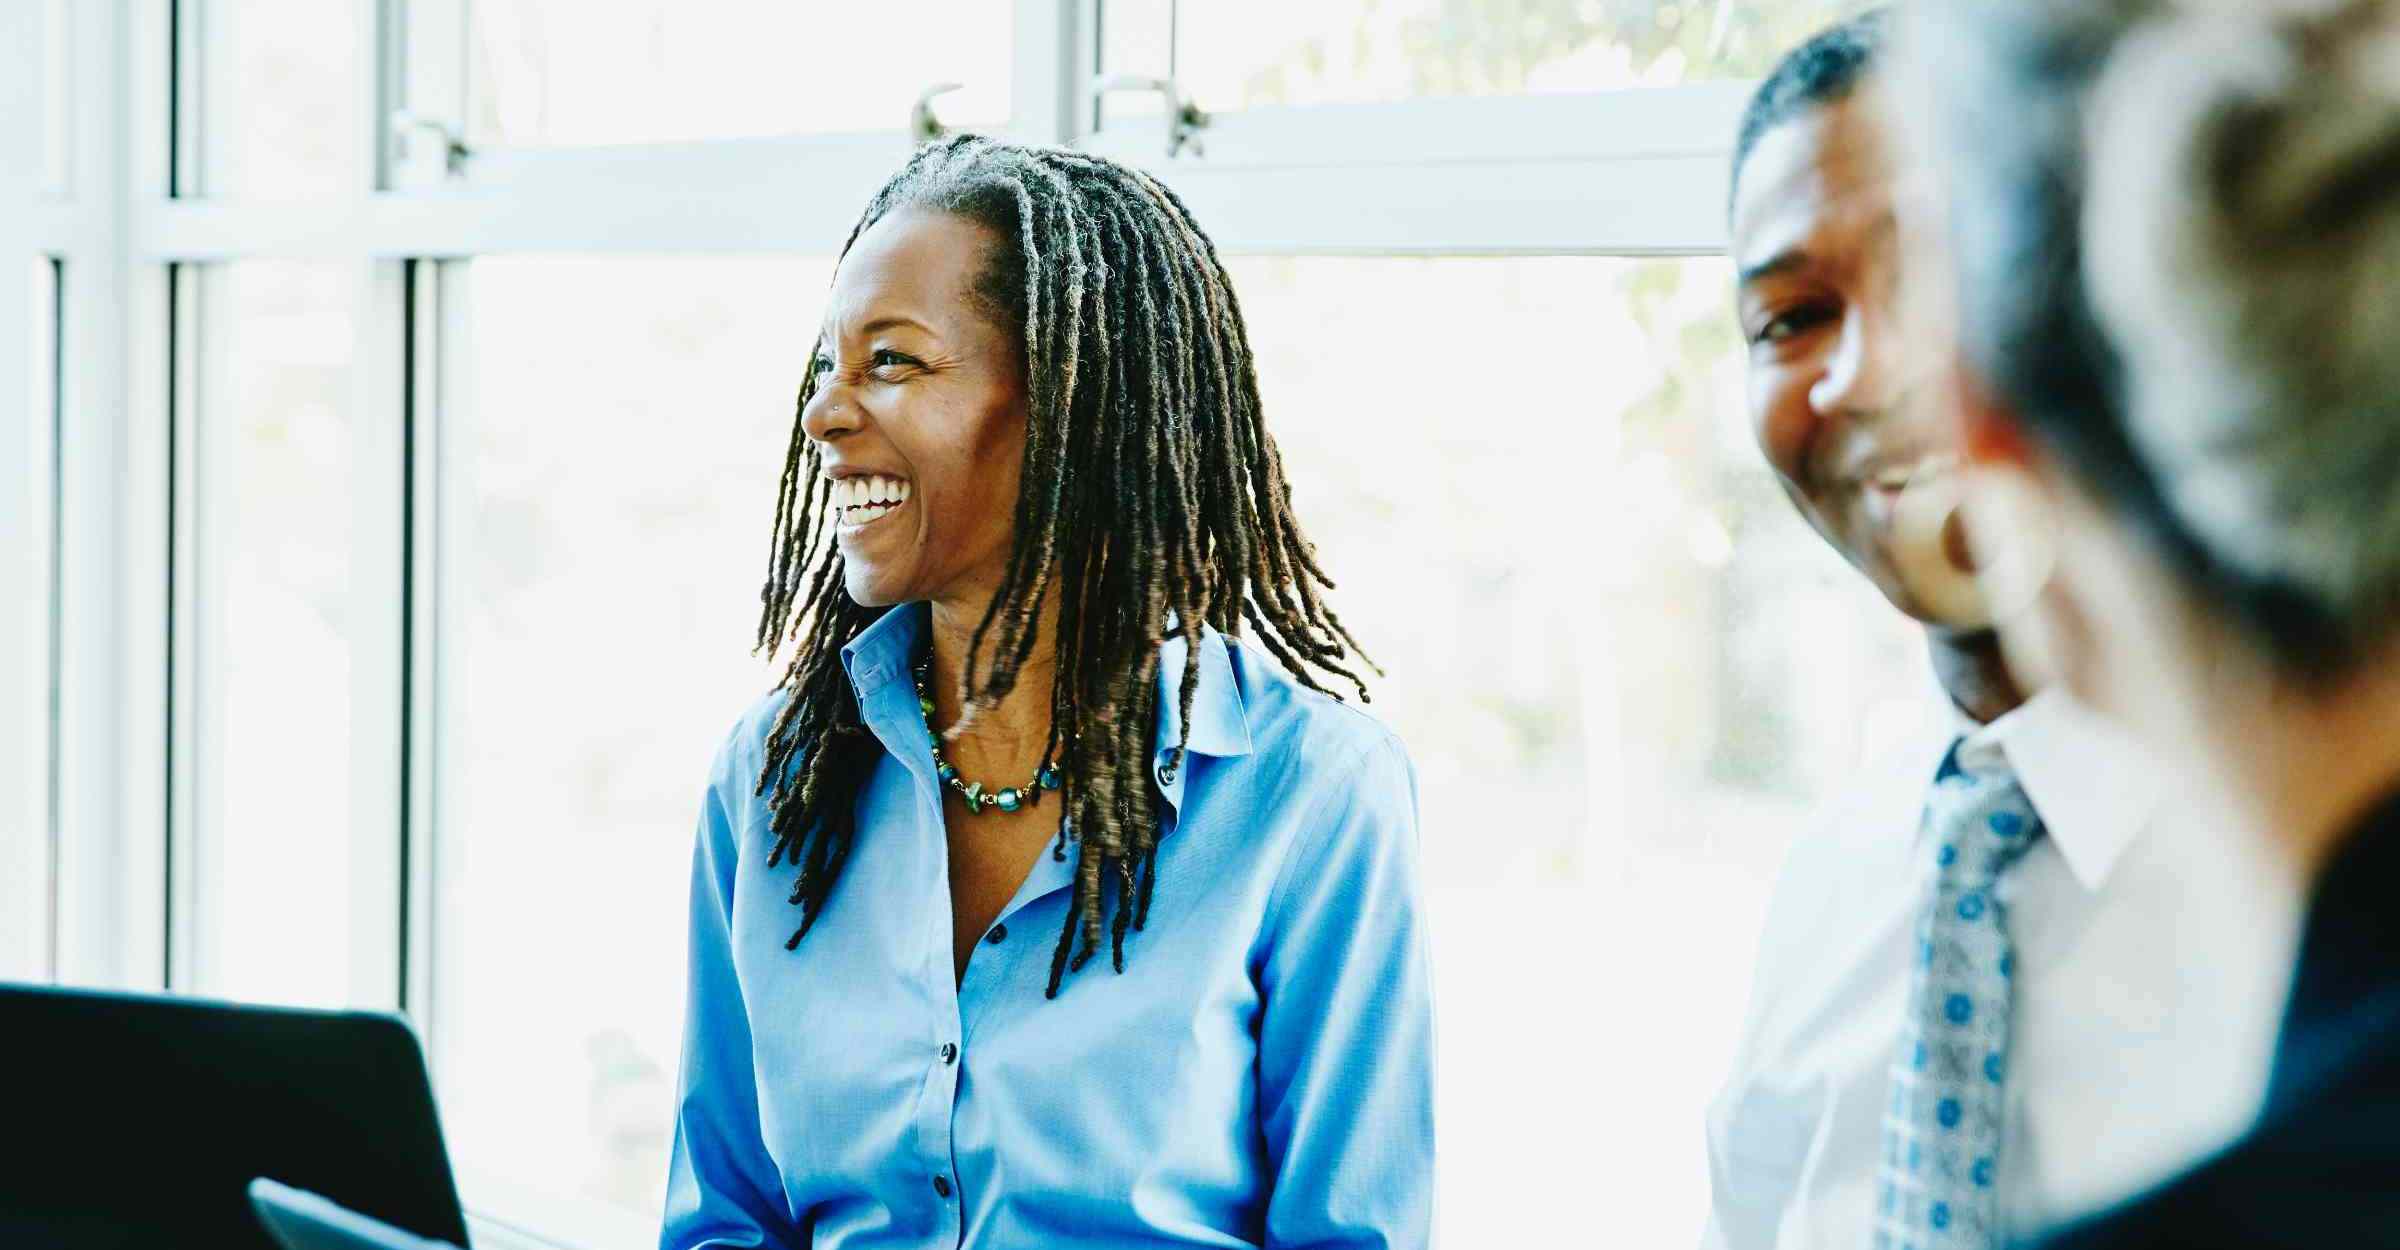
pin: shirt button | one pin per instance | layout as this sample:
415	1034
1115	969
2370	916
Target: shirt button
941	1185
998	935
949	1053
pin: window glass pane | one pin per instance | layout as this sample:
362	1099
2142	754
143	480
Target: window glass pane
29	821
610	485
1136	37
274	475
284	109
567	73
1623	665
1232	54
55	80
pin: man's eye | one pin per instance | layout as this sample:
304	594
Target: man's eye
1792	323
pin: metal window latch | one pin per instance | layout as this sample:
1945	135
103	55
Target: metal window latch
406	125
923	126
1184	118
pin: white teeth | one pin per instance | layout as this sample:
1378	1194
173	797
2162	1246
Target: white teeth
857	500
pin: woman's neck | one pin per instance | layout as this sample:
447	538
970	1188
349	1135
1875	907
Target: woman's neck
1018	723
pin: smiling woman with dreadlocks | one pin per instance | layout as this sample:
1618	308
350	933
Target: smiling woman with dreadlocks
1033	908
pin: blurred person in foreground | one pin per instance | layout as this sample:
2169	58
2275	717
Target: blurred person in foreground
1978	1006
1035	909
2175	229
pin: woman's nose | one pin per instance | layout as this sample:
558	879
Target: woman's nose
830	413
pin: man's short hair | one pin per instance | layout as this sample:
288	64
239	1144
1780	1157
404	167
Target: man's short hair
1822	71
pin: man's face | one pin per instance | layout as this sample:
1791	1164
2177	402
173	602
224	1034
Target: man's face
1840	387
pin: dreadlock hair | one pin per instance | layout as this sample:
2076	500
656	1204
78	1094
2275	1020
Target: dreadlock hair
1153	501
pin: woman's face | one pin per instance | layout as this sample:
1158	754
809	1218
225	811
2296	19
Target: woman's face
920	415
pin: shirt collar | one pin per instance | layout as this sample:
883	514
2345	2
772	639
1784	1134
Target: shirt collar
1220	727
2094	786
883	652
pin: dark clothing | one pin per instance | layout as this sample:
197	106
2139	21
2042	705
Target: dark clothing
2321	1168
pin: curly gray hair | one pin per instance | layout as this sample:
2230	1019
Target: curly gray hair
2178	226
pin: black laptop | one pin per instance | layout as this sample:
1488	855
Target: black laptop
139	1121
301	1220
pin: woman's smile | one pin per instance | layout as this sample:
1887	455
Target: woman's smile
859	502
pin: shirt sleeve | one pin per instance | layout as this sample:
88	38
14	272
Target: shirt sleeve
722	1188
1346	1030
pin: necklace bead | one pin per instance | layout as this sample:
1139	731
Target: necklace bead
1014	798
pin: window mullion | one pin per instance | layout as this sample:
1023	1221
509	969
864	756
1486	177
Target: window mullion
187	744
379	633
112	803
434	306
1053	64
23	465
421	74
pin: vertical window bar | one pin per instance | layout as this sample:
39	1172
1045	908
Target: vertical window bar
180	880
187	22
432	351
409	677
52	320
1095	59
57	117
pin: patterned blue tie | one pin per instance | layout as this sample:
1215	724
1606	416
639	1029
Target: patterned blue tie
1942	1126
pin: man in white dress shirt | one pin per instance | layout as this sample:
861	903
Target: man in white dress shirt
1932	1057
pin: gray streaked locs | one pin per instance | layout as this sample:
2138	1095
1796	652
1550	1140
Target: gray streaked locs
2177	228
1152	503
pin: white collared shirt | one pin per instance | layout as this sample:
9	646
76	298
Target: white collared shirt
2153	952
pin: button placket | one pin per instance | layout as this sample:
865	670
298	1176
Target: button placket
993	972
888	705
937	1117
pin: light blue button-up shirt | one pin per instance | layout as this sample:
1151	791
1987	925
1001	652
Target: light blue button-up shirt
1261	1074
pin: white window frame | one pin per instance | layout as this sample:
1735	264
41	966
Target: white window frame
1628	173
26	499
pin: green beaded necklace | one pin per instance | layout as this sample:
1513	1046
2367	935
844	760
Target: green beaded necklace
1008	800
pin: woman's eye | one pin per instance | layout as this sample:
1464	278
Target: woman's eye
819	366
888	359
